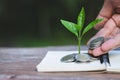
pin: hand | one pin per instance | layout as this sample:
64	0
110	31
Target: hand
109	27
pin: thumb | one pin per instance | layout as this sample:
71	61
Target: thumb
105	13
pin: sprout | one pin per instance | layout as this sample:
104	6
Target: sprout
77	28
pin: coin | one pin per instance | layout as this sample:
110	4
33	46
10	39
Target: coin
82	58
68	58
96	42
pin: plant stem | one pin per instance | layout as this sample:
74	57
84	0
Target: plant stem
79	45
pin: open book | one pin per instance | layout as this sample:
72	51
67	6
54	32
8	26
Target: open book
51	63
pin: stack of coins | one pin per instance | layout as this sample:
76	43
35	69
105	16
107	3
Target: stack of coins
96	42
83	57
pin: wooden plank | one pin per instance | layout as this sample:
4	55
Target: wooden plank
20	64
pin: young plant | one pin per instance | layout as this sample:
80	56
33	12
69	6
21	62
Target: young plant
77	29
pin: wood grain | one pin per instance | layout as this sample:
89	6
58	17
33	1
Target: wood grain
20	64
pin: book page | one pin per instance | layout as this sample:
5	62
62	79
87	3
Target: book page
52	63
115	61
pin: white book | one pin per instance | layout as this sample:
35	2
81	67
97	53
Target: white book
52	63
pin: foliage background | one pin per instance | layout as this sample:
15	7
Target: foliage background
33	23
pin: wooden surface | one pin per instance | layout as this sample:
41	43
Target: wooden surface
20	64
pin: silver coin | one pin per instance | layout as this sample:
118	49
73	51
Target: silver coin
96	42
82	58
68	58
97	39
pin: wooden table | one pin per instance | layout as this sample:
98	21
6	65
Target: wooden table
20	64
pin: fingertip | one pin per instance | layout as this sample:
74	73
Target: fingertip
97	52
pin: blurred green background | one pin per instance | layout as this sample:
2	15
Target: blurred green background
34	23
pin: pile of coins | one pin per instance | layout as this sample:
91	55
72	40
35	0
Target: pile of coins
75	57
95	43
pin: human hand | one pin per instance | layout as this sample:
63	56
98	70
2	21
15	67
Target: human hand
109	27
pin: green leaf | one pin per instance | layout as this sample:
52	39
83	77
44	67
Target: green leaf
91	25
81	19
72	27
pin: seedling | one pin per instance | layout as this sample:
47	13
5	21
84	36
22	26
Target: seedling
77	29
